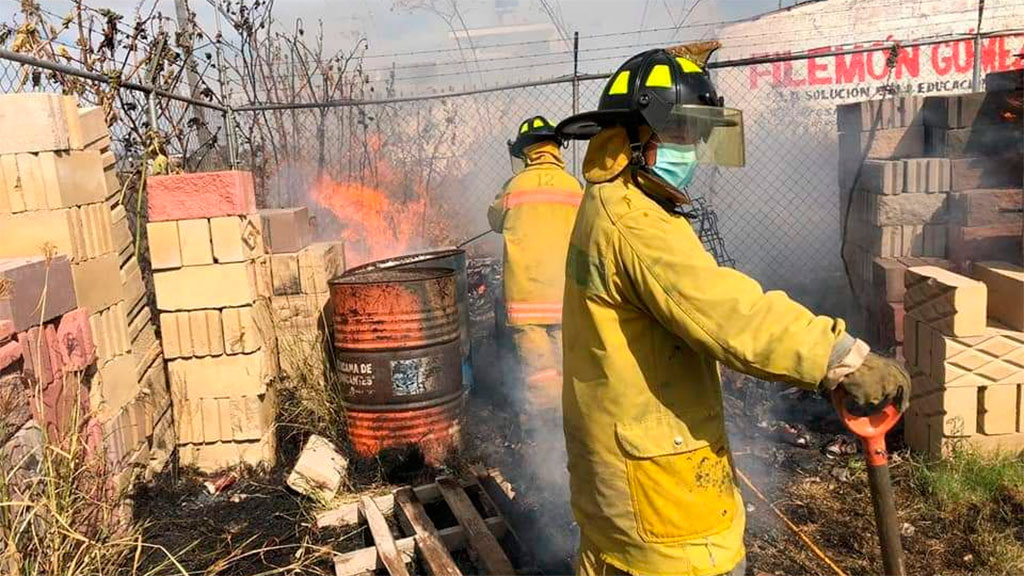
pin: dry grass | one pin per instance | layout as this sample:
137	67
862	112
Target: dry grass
58	514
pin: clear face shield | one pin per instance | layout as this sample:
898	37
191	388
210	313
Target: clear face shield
717	133
518	163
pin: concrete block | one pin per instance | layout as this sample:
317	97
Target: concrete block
27	233
38	122
994	357
121	235
997	412
1005	284
319	470
146	349
23	282
97	283
981	243
200	331
134	288
220	376
974	142
236	238
92	125
882	176
164	245
75	341
220	455
958	408
916	208
136	323
865	116
995	171
318	264
200	195
941	111
286	229
14	403
71	178
284	270
196	245
952	304
118	385
888	143
25	449
984	207
30	179
264	276
936	176
888	279
223	285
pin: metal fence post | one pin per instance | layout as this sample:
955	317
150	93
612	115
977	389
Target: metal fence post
230	127
575	94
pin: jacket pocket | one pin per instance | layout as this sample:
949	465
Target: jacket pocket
680	487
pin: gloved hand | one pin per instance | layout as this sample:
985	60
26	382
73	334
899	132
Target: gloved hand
878	380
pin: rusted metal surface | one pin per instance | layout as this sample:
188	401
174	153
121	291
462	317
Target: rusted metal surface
397	353
434	426
453	258
394	309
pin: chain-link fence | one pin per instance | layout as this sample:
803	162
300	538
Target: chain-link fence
407	173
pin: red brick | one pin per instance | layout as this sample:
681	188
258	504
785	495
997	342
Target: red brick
9	353
26	279
6	329
63	402
36	355
201	195
74	338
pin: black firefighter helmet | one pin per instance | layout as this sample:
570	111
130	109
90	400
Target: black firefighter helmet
533	130
670	91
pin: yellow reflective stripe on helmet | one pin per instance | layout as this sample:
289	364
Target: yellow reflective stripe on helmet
621	84
538	123
660	77
524	127
689	66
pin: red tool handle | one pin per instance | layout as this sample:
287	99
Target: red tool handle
871	429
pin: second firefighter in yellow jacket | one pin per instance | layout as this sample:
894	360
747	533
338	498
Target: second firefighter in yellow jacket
535	213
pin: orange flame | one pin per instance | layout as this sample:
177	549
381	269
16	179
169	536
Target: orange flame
373	226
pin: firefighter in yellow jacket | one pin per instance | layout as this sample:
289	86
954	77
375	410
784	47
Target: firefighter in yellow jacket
649	315
535	213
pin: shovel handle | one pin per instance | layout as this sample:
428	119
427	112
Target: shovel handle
871	429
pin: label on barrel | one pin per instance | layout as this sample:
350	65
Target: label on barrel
356	375
416	375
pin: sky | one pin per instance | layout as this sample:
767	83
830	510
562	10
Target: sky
610	31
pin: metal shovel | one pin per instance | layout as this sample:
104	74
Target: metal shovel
871	430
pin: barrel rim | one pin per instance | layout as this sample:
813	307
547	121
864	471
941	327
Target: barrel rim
360	277
407	259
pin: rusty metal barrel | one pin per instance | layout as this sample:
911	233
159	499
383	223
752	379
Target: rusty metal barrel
398	361
454	258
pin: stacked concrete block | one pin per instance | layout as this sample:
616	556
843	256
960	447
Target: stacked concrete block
967	364
46	356
59	194
946	196
299	272
980	135
206	249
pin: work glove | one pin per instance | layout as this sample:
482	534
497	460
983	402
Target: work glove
877	382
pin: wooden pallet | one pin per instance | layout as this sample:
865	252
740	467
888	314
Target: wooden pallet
478	533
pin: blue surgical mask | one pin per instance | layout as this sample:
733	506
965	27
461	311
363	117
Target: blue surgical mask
676	163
